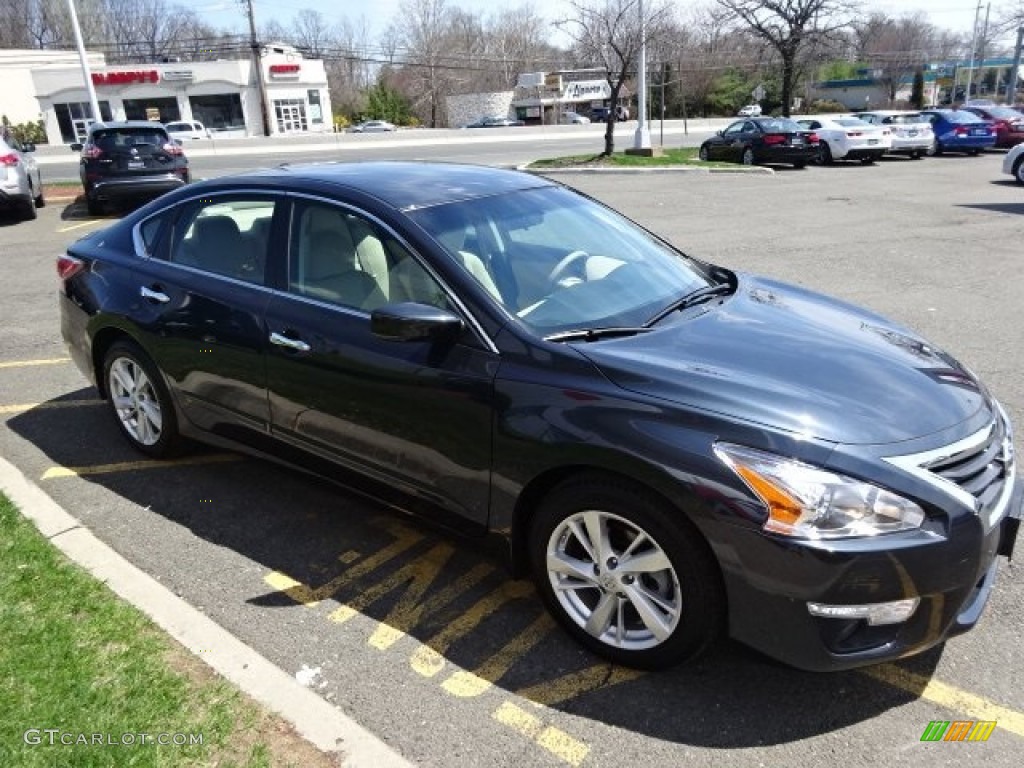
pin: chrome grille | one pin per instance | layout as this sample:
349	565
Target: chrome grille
980	470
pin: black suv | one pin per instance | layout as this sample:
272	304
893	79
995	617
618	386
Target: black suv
134	159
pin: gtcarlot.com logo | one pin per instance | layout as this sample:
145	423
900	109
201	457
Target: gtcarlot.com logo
958	730
54	736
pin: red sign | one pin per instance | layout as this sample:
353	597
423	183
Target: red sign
126	78
284	69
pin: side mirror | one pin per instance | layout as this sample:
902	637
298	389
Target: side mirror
76	147
409	321
718	133
28	146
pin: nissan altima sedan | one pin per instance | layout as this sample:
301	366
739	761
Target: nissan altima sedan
762	140
671	450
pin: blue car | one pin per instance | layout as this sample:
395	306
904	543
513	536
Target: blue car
957	130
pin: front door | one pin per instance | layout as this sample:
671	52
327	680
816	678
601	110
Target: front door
413	416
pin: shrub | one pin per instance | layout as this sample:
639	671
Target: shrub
31	133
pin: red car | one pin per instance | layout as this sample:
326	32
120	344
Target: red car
1008	122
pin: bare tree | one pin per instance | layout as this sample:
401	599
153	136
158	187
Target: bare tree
422	28
895	48
312	33
790	26
608	33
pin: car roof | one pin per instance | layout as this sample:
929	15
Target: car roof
113	125
406	185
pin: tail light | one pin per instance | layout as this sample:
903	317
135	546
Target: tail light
813	138
68	266
173	149
92	152
1002	126
960	131
9	160
774	138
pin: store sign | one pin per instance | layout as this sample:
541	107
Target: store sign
177	75
588	90
284	70
126	78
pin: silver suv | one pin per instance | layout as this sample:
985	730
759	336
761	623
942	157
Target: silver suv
21	186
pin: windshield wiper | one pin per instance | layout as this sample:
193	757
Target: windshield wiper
696	297
593	334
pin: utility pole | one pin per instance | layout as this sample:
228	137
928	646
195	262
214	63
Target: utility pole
258	65
970	68
1011	88
981	50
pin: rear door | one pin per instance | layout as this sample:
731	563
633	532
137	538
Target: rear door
202	295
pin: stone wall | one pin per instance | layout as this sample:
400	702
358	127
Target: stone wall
469	107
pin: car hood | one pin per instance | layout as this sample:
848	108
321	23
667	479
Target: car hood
785	357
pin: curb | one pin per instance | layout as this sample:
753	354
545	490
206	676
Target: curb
756	169
315	719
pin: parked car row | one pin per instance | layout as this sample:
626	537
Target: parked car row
864	136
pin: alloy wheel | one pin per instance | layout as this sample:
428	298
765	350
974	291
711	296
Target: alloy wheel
135	401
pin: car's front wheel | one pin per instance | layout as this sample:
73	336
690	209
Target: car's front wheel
702	153
625	574
140	400
1018	170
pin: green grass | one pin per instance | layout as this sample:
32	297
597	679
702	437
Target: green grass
678	156
74	657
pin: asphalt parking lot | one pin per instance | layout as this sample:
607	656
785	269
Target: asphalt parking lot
425	641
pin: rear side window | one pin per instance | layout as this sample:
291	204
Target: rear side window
225	235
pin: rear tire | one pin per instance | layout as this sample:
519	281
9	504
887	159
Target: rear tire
40	199
94	206
28	209
659	604
1018	171
140	402
748	156
824	154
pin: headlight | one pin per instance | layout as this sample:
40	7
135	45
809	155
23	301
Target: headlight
807	502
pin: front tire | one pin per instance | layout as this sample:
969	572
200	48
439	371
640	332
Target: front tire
625	574
1018	170
140	401
702	153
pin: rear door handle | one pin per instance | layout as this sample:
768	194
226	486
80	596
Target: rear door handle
284	341
158	296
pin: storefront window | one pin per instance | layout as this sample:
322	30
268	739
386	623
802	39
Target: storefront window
218	112
316	115
291	115
162	110
73	119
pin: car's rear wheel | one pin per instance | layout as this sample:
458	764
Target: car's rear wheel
28	207
824	154
140	400
748	156
702	153
1018	170
624	573
40	199
94	206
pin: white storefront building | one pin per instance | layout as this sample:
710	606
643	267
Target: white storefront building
224	95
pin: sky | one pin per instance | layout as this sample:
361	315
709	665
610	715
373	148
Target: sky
956	15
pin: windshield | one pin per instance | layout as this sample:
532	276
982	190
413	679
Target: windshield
1005	113
558	261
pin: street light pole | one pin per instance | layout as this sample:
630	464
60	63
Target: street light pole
642	137
86	72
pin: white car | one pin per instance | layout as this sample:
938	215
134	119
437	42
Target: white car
1013	163
911	132
373	126
21	186
847	138
574	118
751	110
187	130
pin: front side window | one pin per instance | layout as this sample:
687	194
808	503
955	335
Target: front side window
224	235
559	261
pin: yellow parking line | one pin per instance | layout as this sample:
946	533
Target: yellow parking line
130	466
28	363
22	407
79	226
948	696
551	692
557	742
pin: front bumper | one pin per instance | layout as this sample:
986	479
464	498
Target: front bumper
953	577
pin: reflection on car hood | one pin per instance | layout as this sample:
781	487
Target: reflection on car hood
791	359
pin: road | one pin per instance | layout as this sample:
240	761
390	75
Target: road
425	641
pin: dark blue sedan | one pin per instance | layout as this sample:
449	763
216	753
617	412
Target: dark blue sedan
672	450
957	130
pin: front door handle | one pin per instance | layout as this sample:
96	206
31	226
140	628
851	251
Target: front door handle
283	341
158	296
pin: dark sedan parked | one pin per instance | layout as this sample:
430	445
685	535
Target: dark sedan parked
129	161
957	130
671	449
755	140
1008	122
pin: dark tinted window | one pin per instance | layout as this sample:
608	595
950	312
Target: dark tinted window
113	139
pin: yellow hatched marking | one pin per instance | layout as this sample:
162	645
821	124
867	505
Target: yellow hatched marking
130	466
428	659
949	696
575	684
283	583
30	363
554	740
465	684
22	407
